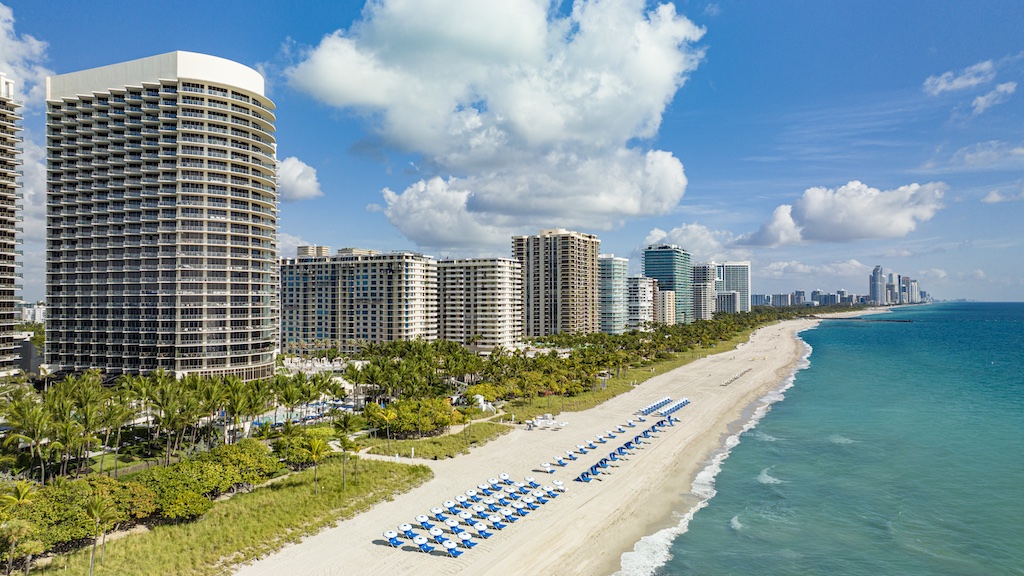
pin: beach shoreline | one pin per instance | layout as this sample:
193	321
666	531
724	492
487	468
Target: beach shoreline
590	527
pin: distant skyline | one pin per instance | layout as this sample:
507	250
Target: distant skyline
816	140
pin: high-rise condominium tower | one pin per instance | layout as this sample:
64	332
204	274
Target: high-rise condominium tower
876	286
161	218
612	293
560	281
356	296
735	277
670	266
704	296
9	196
640	292
480	302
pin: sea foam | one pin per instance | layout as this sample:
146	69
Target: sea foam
653	551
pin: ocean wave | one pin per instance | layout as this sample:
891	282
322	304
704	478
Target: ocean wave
758	435
765	478
655	550
837	439
735	523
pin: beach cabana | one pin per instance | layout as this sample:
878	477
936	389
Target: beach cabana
422	543
452	549
392	537
424	522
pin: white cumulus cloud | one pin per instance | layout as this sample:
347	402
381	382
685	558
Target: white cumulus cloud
21	59
297	180
793	268
521	113
998	196
703	243
851	212
1001	93
933	273
980	73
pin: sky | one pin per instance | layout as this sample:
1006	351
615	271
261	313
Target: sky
815	139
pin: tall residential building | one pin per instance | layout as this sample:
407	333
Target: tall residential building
782	300
760	300
670	266
664	307
728	302
560	281
480	302
356	296
10	125
704	278
640	292
876	286
161	218
735	277
612	272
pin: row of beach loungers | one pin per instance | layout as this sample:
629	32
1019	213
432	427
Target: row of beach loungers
495	504
663	407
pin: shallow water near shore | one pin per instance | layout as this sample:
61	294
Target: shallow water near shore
898	450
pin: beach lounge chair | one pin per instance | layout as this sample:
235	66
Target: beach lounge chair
595	470
583	477
560	462
452	549
438	535
550	490
454	526
531	481
450	507
481	529
546	466
496	522
530	502
406	529
466	516
520	508
539	496
505	478
570	455
600	439
463	501
392	537
509	515
591	445
438	515
423	521
422	543
467	540
613	457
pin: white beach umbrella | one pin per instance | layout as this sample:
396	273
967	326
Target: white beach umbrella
529	480
421	518
488	502
559	485
449	504
537	494
405	527
529	500
465	537
451	522
466	515
449	544
419	540
494	518
435	531
436	510
504	477
478	509
461	499
493	481
391	534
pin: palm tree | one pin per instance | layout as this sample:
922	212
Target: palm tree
101	511
316	448
347	445
30	423
17	496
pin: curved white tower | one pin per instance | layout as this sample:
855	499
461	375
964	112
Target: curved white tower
161	218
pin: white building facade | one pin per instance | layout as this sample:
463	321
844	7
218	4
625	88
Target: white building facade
735	277
612	272
560	282
640	301
161	218
705	277
10	176
481	302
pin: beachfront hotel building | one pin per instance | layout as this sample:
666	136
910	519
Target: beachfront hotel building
664	307
161	234
735	277
704	295
640	292
670	266
612	272
10	150
356	296
560	281
480	302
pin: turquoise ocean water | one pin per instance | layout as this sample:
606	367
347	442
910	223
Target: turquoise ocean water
898	450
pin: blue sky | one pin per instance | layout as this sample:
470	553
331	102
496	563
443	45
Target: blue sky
816	139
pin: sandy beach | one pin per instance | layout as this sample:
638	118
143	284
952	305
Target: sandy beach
587	529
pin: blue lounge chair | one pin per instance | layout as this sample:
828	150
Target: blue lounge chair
613	457
422	521
481	529
561	462
452	549
422	543
467	540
